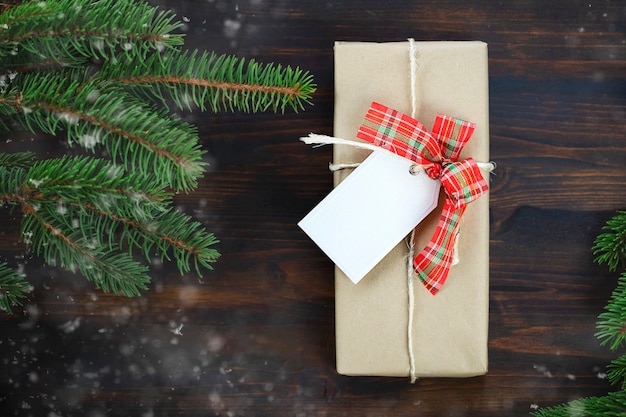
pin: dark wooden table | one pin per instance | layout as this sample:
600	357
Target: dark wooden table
258	332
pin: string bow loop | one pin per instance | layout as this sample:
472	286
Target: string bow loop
438	152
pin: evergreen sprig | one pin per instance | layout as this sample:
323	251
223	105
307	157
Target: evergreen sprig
13	288
610	405
213	82
616	372
68	28
609	248
133	133
612	322
105	75
17	159
90	215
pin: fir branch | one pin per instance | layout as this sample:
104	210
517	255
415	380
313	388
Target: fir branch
135	224
616	372
610	405
133	133
165	232
185	239
217	82
610	247
612	322
13	288
111	272
91	210
85	68
84	27
24	62
81	179
17	159
11	180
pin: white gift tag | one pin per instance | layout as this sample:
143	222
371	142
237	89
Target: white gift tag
370	212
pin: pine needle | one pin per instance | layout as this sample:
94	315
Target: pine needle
13	288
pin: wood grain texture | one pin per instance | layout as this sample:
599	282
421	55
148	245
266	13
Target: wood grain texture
258	331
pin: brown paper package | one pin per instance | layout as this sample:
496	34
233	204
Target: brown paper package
450	329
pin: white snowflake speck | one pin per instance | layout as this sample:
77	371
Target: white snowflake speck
71	325
61	209
37	183
231	27
178	330
28	238
70	119
88	141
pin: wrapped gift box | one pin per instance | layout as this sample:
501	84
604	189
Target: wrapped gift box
449	330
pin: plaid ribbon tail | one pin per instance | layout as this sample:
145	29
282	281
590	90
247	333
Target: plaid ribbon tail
462	183
433	263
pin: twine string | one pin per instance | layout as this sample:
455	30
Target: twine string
412	370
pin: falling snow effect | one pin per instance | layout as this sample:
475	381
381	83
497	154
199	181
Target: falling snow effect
73	344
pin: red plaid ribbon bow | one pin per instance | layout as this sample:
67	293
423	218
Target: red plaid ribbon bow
438	152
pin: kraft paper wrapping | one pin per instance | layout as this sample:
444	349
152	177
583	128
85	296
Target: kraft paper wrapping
450	329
